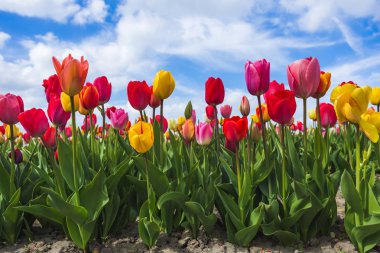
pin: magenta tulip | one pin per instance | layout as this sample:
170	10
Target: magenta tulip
225	111
257	76
56	113
10	107
304	77
328	115
203	133
119	119
104	89
34	122
52	87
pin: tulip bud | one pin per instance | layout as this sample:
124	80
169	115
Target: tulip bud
188	110
104	89
225	111
312	114
244	106
49	138
188	130
214	91
194	116
375	96
18	156
163	84
210	112
257	76
256	132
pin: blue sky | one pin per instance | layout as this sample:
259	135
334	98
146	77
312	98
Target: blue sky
131	40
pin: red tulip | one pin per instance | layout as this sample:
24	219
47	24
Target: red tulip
214	91
281	106
210	112
52	87
109	110
68	131
328	115
225	111
89	96
34	122
299	126
304	77
165	122
2	129
26	137
10	107
56	113
104	89
273	87
138	94
235	128
87	123
154	102
49	138
257	76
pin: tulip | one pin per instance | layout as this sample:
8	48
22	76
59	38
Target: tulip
304	77
18	156
26	137
104	89
244	106
264	109
375	97
87	122
8	131
138	94
193	116
72	74
81	109
163	84
210	112
203	133
56	113
299	126
257	76
235	128
173	125
180	121
52	87
66	103
34	122
372	121
281	106
188	130
273	87
68	131
189	110
89	97
225	111
49	138
141	136
119	119
328	115
154	101
324	84
214	91
11	106
2	129
256	132
312	114
164	122
109	110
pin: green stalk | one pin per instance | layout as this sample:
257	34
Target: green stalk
283	171
148	188
142	116
304	134
13	169
358	219
238	178
74	142
318	111
92	142
216	129
104	121
154	114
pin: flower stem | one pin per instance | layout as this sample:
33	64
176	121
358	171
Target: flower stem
283	171
216	129
318	111
13	169
74	142
304	134
92	142
238	178
148	188
104	122
358	219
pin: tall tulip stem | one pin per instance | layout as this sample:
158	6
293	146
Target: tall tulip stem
216	129
13	169
318	112
358	218
92	141
148	188
283	170
74	142
304	134
104	121
238	177
154	114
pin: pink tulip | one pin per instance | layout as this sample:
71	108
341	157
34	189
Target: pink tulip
304	77
56	113
10	107
226	110
34	122
328	115
203	133
119	119
257	76
273	87
104	89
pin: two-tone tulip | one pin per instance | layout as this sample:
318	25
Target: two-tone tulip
244	107
203	133
89	97
119	119
11	106
225	111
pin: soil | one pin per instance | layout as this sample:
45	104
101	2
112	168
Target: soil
128	242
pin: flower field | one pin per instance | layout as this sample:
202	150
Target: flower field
260	174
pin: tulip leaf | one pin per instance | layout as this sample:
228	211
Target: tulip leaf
350	194
66	163
298	169
44	212
4	181
178	197
197	210
148	232
244	236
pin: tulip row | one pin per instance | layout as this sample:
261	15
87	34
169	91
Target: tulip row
270	176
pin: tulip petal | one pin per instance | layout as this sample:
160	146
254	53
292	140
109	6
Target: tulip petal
369	130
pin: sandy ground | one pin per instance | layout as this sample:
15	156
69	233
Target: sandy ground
128	241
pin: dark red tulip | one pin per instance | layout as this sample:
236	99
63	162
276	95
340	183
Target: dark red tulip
56	113
34	122
104	89
18	156
214	91
109	110
273	87
52	87
210	112
154	102
49	138
165	122
138	94
68	131
281	106
328	115
10	108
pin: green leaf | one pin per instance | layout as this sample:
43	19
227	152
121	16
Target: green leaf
44	212
245	235
231	208
350	194
197	210
298	169
148	232
66	163
178	197
11	219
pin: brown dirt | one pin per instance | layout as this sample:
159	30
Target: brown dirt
128	241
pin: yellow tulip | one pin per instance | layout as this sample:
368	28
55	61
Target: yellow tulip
141	136
370	124
8	131
173	125
324	84
255	118
181	120
340	95
163	84
357	104
375	96
312	114
66	104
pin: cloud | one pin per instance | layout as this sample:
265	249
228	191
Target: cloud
60	11
3	38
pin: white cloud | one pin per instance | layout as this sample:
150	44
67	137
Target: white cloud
3	38
58	10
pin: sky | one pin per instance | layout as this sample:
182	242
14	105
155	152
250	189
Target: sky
132	40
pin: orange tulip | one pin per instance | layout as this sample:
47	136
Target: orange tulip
89	97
